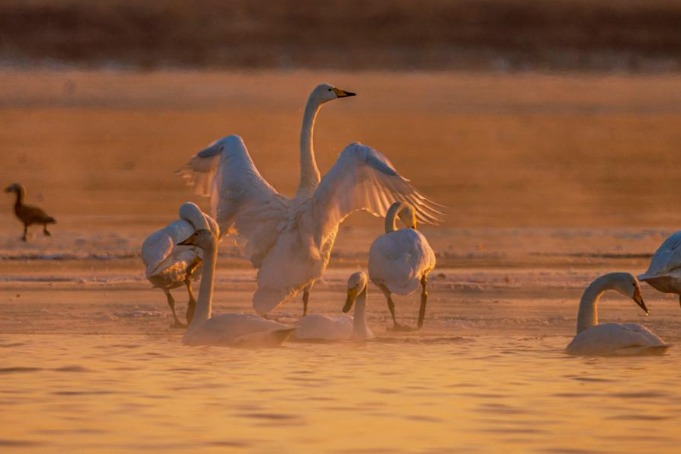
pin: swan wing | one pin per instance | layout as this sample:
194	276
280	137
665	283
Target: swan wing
242	201
324	327
364	179
666	259
238	330
615	339
161	245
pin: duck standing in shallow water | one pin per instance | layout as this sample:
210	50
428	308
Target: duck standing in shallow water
612	339
400	260
28	214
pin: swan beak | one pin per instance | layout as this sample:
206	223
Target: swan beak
342	93
639	300
352	296
189	241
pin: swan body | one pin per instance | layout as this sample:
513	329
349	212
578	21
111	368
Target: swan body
344	327
29	214
664	272
289	240
400	260
238	330
612	339
169	265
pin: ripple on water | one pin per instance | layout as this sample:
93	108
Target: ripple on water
19	443
14	370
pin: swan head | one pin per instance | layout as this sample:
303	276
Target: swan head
326	92
405	212
357	284
201	238
15	187
627	285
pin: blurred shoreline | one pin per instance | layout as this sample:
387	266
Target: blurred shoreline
631	36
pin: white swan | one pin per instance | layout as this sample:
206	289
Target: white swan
244	330
343	327
664	272
168	265
290	240
400	260
610	339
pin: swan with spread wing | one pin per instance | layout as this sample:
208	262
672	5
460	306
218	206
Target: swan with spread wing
289	240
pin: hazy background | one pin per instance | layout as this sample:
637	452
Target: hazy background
628	35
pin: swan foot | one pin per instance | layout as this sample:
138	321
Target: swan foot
177	325
399	328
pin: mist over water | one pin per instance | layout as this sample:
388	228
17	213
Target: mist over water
548	181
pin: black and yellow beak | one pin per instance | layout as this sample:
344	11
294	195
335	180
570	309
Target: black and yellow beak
638	299
352	296
342	93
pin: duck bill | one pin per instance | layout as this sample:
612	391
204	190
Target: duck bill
342	93
352	296
638	299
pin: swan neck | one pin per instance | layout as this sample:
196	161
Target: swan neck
205	299
309	173
391	218
588	306
359	328
20	197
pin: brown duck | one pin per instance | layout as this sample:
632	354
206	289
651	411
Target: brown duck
28	214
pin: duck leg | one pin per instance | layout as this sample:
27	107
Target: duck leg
424	300
25	237
45	230
171	303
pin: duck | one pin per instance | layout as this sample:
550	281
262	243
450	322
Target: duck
401	259
235	330
289	240
664	271
169	266
612	339
29	214
344	327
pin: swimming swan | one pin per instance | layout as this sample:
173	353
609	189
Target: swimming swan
290	240
28	214
244	330
400	260
170	266
664	272
344	327
610	339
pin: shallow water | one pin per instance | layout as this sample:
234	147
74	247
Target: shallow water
547	181
106	393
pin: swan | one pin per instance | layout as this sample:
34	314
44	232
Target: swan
289	240
170	266
664	272
344	327
244	330
28	214
400	260
609	339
